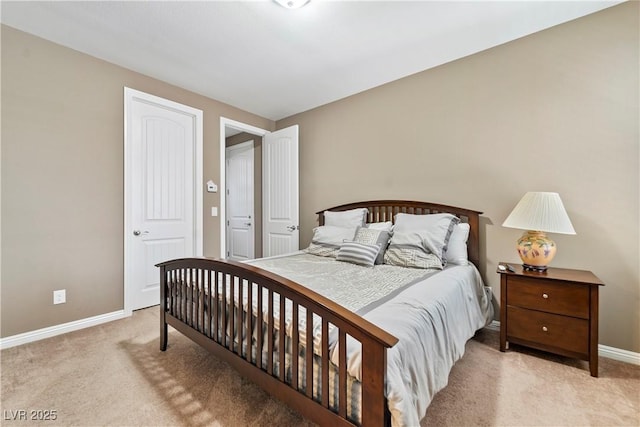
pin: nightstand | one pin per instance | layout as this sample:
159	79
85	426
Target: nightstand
554	311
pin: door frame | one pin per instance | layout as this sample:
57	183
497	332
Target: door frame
224	123
129	96
244	146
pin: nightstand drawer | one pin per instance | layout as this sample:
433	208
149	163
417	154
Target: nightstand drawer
546	295
553	330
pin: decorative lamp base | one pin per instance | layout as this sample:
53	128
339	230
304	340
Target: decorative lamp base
535	268
536	250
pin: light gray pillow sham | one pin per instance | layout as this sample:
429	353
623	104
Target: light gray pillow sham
435	230
349	219
407	249
327	239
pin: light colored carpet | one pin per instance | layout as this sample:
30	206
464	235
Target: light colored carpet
114	375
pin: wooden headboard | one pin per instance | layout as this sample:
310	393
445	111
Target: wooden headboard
385	210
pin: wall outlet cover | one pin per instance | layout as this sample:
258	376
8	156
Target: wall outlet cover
60	296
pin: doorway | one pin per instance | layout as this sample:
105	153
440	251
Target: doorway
242	191
233	133
277	192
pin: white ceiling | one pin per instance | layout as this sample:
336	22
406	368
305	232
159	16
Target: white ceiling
275	62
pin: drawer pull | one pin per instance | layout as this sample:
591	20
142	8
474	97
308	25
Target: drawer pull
544	328
545	296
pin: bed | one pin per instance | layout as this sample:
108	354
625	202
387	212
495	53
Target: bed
338	364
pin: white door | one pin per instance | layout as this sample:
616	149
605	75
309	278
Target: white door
240	205
163	191
280	192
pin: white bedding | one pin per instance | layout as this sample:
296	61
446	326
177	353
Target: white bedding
433	318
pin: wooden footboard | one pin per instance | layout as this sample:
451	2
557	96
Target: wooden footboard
200	298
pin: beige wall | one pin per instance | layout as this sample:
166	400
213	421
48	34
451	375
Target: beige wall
555	111
62	179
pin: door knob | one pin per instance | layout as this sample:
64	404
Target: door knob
248	224
138	232
292	227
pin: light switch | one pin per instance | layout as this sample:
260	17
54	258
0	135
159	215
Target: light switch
214	211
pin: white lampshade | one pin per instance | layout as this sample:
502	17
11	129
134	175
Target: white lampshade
540	211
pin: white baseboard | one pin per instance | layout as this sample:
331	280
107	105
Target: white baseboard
603	350
493	326
619	354
52	331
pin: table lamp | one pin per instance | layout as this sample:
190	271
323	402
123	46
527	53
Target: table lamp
538	213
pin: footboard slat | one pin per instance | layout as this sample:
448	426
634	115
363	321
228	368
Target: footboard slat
251	317
325	363
295	332
209	302
230	312
237	333
249	330
183	297
309	354
201	293
189	299
342	374
282	352
216	307
260	326
270	334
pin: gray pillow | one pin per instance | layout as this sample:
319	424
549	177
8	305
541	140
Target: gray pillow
374	237
358	253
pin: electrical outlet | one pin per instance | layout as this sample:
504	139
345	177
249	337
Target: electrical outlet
60	297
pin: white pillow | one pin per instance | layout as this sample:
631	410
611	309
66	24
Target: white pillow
384	226
349	219
327	240
457	247
436	230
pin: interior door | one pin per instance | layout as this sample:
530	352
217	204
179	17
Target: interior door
163	146
280	206
240	204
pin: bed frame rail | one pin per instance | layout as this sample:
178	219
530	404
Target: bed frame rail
199	298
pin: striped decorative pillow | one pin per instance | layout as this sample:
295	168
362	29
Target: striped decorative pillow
358	253
371	236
